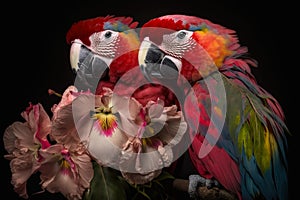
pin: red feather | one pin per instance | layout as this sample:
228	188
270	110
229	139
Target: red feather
85	28
216	164
180	22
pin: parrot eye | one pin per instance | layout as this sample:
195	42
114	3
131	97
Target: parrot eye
108	34
181	34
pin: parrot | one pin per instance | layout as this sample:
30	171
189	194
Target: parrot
104	58
104	49
237	129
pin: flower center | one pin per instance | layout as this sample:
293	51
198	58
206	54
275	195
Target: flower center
106	120
35	151
67	165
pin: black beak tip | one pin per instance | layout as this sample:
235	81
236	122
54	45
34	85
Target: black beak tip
74	71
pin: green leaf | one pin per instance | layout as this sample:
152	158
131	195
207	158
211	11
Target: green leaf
105	185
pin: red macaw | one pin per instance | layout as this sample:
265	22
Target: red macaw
237	128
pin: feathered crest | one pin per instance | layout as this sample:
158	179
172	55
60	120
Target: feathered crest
84	28
178	22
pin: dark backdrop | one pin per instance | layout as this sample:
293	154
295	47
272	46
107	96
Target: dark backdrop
35	55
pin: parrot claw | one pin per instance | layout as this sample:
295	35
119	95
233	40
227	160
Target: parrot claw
196	180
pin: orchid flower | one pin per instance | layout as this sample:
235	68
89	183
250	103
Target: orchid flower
63	127
146	153
67	166
23	140
96	118
66	171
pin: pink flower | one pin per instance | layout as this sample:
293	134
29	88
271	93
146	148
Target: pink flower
23	140
64	130
68	171
95	118
149	150
67	166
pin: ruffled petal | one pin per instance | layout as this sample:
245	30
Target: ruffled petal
64	184
49	171
63	127
21	190
51	154
174	130
140	168
146	160
129	107
85	170
18	136
172	111
22	168
39	123
33	117
66	99
9	137
44	124
155	108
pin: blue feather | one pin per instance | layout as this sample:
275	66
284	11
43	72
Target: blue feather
116	26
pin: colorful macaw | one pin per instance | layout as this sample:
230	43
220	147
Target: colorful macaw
104	56
104	49
237	129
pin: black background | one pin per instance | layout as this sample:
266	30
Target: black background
35	55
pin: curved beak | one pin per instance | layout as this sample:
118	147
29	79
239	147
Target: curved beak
89	67
155	63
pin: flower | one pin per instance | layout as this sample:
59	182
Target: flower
23	140
96	120
64	170
67	166
145	154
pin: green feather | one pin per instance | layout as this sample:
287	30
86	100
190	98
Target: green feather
251	125
244	141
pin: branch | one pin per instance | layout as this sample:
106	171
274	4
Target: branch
203	191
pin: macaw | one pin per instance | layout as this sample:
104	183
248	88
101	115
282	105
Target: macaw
104	49
104	56
238	134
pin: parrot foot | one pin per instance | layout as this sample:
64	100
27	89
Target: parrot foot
196	180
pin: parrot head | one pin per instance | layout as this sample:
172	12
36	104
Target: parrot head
187	45
102	49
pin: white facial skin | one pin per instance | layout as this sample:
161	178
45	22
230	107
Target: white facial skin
177	43
103	43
